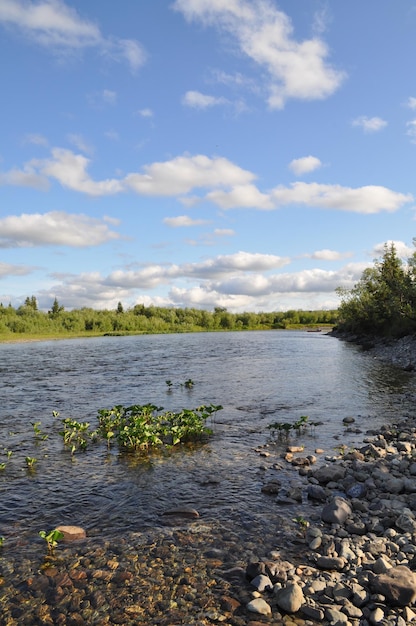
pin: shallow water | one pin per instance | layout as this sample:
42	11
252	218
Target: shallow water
258	378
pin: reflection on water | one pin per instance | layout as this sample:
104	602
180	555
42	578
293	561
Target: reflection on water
258	377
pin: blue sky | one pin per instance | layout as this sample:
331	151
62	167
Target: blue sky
251	154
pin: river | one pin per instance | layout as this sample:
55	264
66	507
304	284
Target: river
258	377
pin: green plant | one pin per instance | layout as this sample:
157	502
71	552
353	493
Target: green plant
188	384
2	466
38	432
302	523
169	384
76	435
2	540
30	462
51	537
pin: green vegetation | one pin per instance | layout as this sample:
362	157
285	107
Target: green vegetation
138	427
383	302
28	322
51	537
282	430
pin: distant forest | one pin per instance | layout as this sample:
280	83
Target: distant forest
28	320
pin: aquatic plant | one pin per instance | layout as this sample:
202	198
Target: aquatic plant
282	429
38	431
30	462
76	435
51	537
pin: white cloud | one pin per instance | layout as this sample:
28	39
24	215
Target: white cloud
366	200
145	113
304	165
411	130
370	124
329	255
70	170
265	35
241	196
184	173
197	100
54	228
55	25
228	185
6	269
183	220
403	250
411	103
36	139
224	232
27	177
80	142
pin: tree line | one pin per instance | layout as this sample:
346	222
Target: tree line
28	319
383	302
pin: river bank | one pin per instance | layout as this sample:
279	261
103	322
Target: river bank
398	352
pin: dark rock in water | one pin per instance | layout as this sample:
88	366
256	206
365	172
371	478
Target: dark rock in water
272	487
316	492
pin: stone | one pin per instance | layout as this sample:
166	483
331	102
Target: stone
262	583
272	487
329	473
182	512
72	533
330	562
377	616
336	617
260	606
398	586
289	598
336	511
316	492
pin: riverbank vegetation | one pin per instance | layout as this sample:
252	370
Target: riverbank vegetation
383	302
27	322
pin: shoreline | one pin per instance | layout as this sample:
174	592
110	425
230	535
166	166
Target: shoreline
399	352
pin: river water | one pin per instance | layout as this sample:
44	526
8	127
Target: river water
258	378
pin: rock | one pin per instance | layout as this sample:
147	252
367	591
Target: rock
331	562
398	585
272	487
335	617
377	616
260	606
72	533
289	598
336	511
316	492
329	473
262	583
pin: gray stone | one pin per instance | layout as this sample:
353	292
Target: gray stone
377	616
289	598
262	583
329	473
316	492
335	617
259	606
313	612
331	563
336	511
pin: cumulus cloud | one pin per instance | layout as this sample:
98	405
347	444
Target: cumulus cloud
197	100
55	25
403	250
70	170
54	228
411	103
329	255
369	124
183	220
145	113
222	182
304	165
294	69
182	174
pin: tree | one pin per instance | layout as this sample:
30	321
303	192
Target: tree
55	310
383	301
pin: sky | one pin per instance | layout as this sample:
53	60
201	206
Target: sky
247	154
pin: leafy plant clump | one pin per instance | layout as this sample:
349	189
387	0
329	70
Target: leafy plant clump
281	430
139	427
51	538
